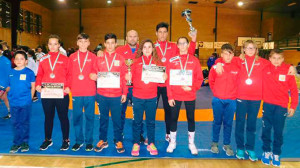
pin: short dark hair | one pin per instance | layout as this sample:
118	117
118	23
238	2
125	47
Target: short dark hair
54	36
276	51
22	53
187	40
83	36
161	25
1	47
227	47
110	36
39	47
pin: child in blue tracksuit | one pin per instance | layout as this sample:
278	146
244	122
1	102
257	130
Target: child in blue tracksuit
21	87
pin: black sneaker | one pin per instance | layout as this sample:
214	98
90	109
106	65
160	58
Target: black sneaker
65	145
120	147
8	116
89	147
101	145
76	147
35	99
24	147
46	144
14	148
142	139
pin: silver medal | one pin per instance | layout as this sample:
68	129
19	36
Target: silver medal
52	75
80	77
146	82
163	59
249	81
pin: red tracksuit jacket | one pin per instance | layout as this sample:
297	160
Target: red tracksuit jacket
172	50
119	66
176	92
224	86
277	85
85	87
253	91
62	72
140	89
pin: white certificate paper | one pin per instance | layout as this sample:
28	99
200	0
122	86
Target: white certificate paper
108	80
52	90
180	78
153	74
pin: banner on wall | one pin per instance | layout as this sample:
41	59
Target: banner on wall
211	45
268	45
258	40
219	44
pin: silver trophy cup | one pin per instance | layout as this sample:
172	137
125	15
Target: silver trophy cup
187	14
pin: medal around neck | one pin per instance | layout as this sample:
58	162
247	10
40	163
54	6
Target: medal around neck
163	59
52	75
80	77
249	81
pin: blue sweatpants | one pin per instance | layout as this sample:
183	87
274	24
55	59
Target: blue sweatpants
88	103
20	117
223	110
273	117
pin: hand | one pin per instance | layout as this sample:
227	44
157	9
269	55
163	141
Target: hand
128	76
186	88
38	88
172	102
241	56
292	70
100	53
193	35
7	89
291	112
93	76
67	90
219	68
165	76
123	98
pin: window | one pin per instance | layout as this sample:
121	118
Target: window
38	24
5	14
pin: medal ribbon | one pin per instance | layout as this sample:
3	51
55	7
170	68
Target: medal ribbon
109	68
86	56
163	53
183	68
53	67
249	73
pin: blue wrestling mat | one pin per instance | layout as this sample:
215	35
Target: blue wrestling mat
202	138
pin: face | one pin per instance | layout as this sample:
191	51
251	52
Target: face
250	50
147	49
83	44
132	38
53	45
39	50
20	60
110	45
162	34
227	56
276	59
182	45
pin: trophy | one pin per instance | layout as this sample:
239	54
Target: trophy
187	14
128	63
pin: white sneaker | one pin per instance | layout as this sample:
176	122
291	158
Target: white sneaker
193	149
171	147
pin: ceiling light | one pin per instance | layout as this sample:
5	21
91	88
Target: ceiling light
109	1
292	4
61	0
240	3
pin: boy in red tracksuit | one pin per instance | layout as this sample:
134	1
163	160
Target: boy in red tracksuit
183	63
165	51
110	98
276	88
224	88
83	93
54	68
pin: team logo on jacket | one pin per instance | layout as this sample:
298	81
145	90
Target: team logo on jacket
282	78
45	57
174	58
234	72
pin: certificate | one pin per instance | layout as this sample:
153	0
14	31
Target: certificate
181	78
52	90
153	74
108	80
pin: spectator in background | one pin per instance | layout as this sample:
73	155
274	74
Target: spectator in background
61	49
298	68
70	51
39	54
32	61
6	51
211	60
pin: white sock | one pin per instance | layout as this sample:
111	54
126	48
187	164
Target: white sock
191	137
173	137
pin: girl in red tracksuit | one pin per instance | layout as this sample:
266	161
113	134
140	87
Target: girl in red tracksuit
276	88
185	63
54	68
144	97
